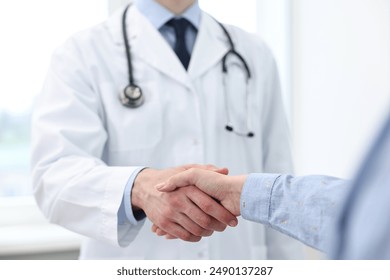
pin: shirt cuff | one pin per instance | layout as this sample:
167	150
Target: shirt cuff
256	197
125	212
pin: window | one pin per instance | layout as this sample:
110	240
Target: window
238	13
30	32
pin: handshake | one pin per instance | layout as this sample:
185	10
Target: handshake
188	202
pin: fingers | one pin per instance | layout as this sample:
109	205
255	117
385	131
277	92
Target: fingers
182	179
189	177
217	216
176	217
202	218
210	167
160	232
193	226
207	182
191	214
175	231
180	232
187	213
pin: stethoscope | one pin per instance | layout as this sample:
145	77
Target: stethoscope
132	97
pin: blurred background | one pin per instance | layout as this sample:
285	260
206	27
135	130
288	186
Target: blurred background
334	62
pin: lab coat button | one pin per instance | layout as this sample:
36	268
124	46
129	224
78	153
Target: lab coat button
195	142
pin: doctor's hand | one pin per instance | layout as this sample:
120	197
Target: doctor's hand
185	213
225	189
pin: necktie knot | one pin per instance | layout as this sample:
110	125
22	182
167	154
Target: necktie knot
180	26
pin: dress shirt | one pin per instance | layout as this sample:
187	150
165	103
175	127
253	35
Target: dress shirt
158	16
301	207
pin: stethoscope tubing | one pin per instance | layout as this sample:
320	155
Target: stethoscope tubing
127	95
127	47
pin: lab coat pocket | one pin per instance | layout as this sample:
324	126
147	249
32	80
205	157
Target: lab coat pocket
140	128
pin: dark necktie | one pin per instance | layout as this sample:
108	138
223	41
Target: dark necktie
180	26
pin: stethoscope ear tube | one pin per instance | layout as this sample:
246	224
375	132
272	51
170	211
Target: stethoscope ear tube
131	96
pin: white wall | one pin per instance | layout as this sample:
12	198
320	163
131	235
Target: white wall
341	81
274	18
115	4
30	31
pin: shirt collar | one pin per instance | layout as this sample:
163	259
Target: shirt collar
159	15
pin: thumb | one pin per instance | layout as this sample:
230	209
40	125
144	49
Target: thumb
165	187
210	167
182	179
223	171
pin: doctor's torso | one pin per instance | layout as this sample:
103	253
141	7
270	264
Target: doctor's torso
184	115
182	119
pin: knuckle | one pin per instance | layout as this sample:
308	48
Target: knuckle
198	231
207	207
164	224
206	222
191	191
192	172
167	212
221	227
175	201
195	239
210	167
186	236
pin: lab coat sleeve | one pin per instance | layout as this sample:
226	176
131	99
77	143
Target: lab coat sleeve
72	184
277	153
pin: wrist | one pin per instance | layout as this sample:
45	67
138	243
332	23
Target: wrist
235	187
139	192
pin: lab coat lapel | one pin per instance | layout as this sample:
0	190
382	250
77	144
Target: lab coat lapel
147	44
210	46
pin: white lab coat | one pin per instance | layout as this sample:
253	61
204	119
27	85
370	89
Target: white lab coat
86	144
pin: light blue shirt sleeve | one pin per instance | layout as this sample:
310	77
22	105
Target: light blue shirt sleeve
302	207
125	213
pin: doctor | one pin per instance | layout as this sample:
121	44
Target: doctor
147	88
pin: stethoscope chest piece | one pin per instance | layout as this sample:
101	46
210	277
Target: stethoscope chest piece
132	96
